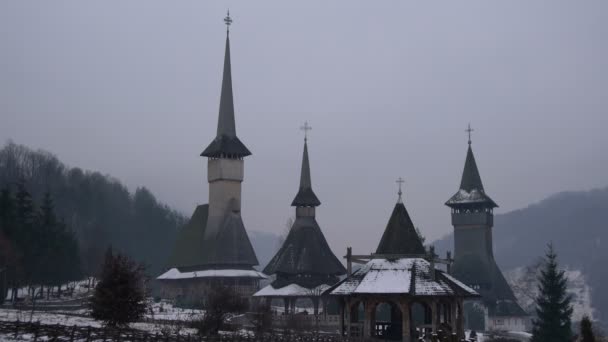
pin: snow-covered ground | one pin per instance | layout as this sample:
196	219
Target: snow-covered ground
165	310
481	337
83	320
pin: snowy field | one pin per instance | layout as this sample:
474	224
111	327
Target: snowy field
83	320
163	311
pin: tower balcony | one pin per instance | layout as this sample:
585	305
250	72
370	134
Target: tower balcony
473	218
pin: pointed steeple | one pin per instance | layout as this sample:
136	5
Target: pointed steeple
226	144
471	190
470	175
400	236
225	123
305	197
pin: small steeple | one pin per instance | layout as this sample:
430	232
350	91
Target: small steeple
400	236
226	143
471	180
470	175
471	190
305	197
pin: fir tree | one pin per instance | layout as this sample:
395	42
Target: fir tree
119	297
24	216
553	307
587	330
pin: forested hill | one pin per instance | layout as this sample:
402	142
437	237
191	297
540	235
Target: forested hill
98	208
575	222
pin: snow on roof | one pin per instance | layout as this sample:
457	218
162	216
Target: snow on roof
291	290
474	196
386	276
403	276
174	273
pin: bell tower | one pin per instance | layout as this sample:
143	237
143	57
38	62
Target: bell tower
225	164
474	264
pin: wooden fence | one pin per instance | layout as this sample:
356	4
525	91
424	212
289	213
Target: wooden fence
57	332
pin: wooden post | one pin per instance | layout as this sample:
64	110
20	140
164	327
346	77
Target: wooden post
286	303
36	331
434	315
367	319
348	318
88	333
293	305
453	314
449	264
17	329
342	314
72	333
432	261
405	324
349	263
460	319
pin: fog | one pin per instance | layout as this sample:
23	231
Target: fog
131	89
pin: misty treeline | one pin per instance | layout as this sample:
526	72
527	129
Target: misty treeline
36	249
97	210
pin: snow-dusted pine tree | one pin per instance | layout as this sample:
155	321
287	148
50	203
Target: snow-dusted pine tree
119	297
553	307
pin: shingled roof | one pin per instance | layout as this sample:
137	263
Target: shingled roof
404	276
230	248
400	236
226	143
471	192
497	294
231	245
188	248
305	251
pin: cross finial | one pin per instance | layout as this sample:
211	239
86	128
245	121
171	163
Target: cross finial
469	130
306	128
400	181
228	21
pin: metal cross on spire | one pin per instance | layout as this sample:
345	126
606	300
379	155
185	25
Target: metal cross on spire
469	130
306	128
400	181
228	21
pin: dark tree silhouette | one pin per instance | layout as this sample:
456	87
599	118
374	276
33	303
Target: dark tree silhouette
120	296
220	302
553	307
587	330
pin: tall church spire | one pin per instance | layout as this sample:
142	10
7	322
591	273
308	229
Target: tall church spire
226	144
305	197
225	123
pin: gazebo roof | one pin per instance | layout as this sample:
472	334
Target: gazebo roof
406	276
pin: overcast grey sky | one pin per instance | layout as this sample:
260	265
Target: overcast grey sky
131	88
